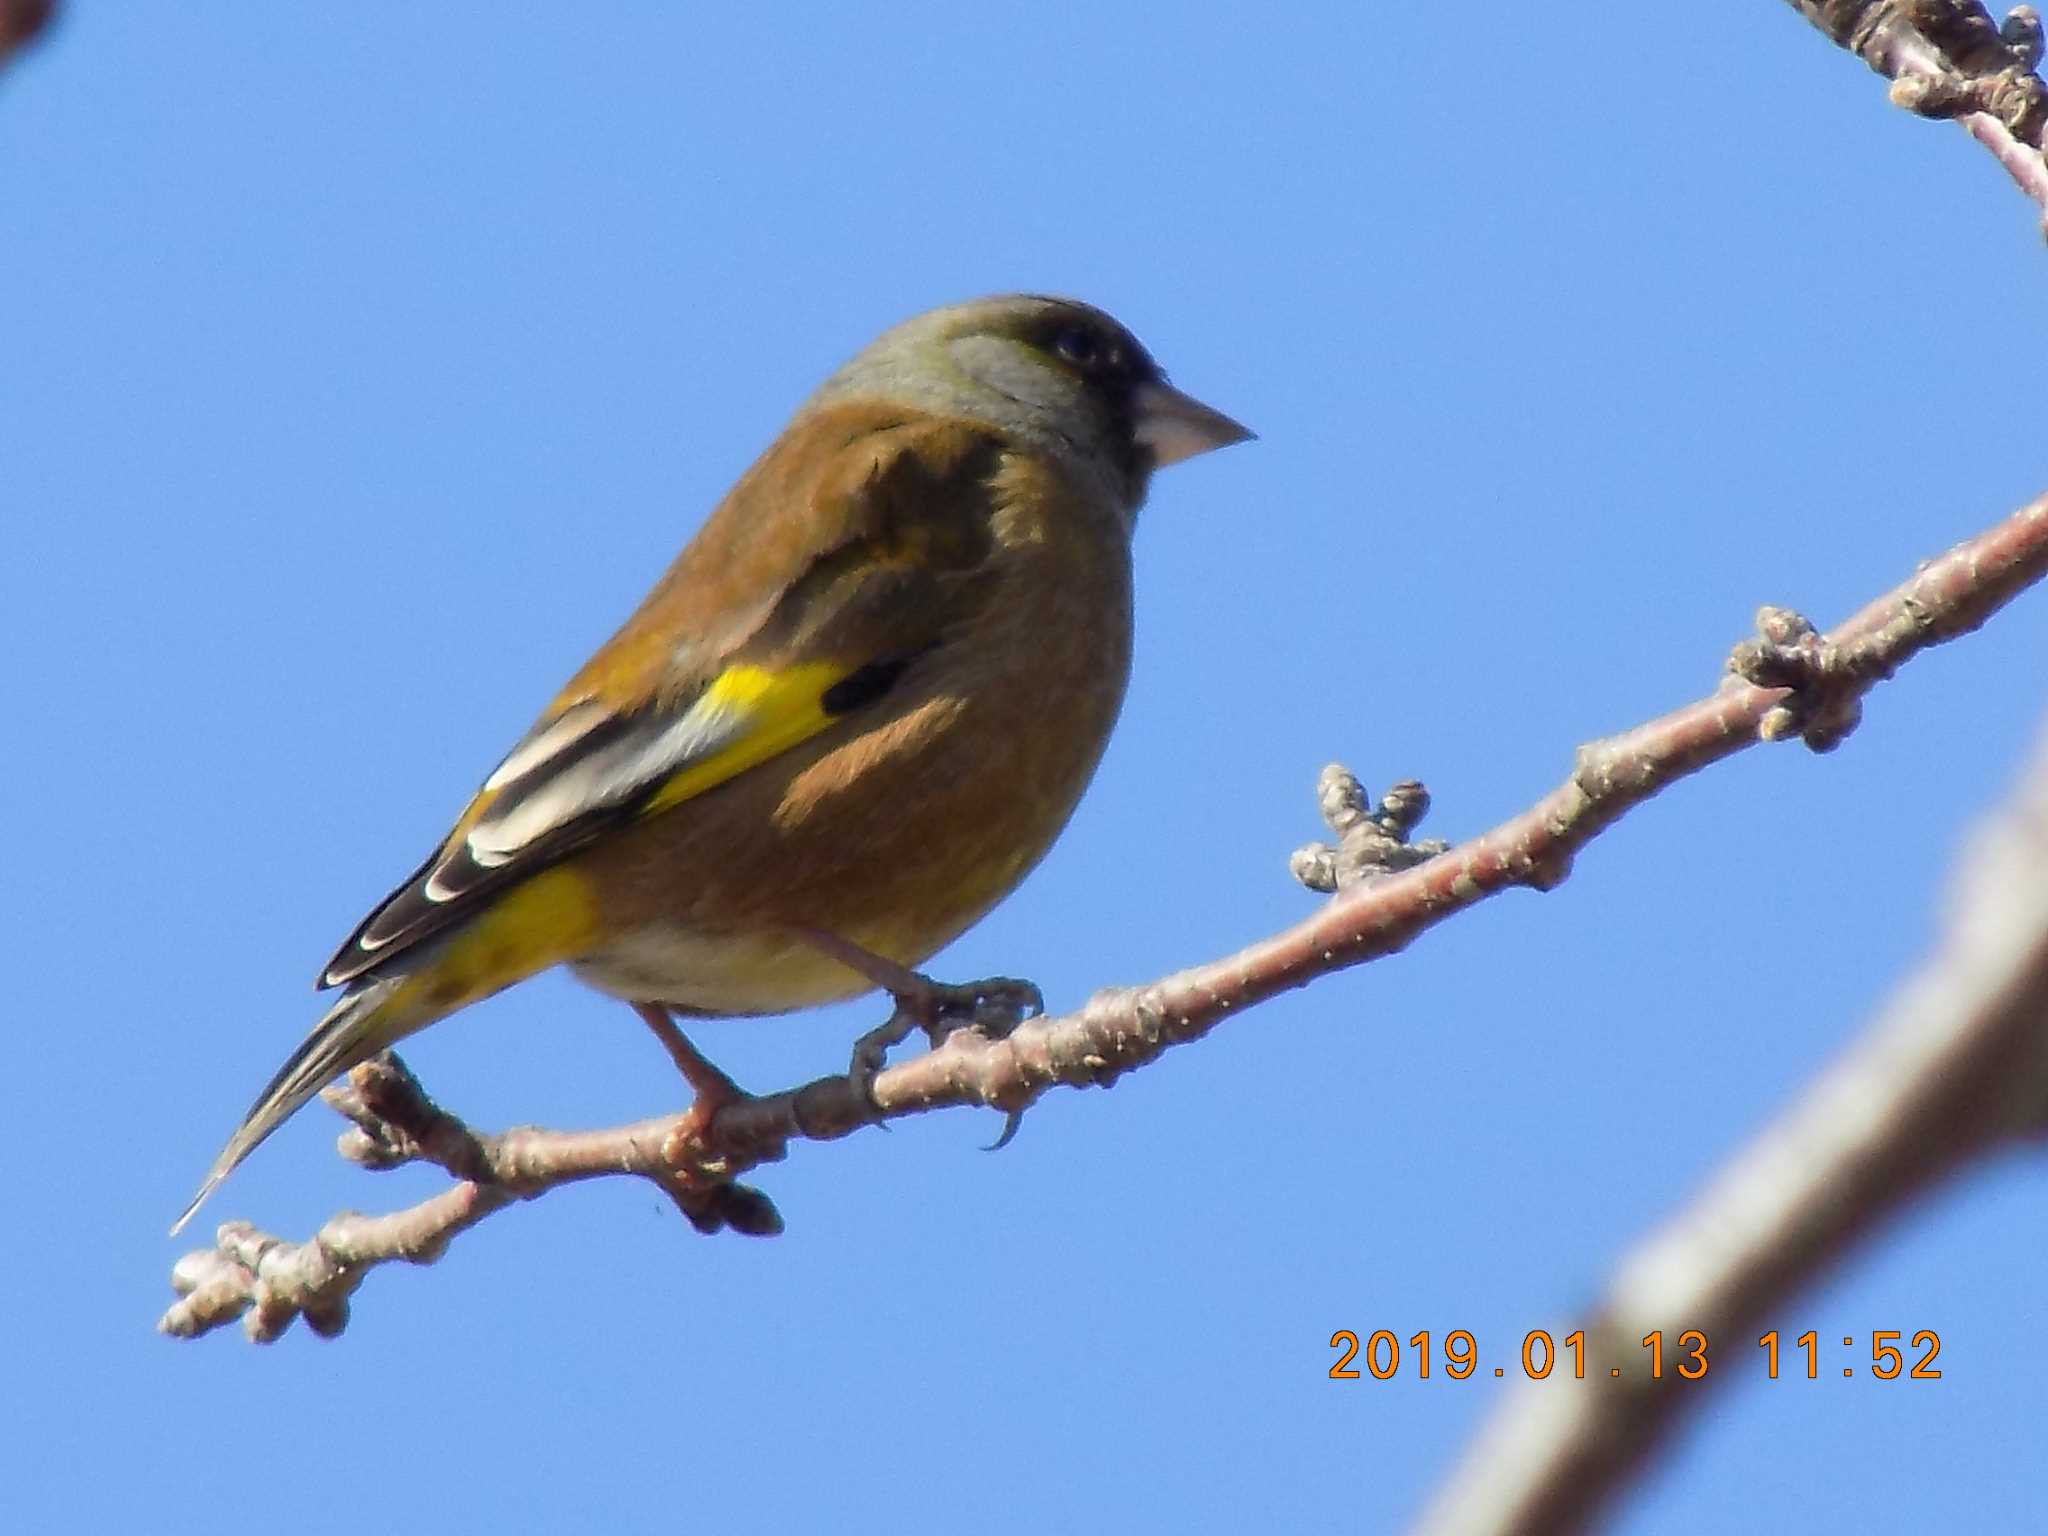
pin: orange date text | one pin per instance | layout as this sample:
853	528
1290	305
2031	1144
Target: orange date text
1687	1355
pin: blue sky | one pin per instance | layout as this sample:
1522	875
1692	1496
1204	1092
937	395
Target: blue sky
360	372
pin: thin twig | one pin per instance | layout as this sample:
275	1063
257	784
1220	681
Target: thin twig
21	23
1948	59
1119	1029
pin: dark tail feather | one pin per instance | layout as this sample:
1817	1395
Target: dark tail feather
360	1024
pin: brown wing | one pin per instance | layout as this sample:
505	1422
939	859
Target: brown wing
801	600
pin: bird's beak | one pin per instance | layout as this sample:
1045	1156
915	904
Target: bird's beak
1176	426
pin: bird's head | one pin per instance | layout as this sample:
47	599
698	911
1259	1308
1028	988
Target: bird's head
1058	373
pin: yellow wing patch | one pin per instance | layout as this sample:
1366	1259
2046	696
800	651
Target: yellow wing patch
552	915
773	710
509	924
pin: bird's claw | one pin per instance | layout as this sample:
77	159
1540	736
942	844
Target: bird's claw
871	1052
1013	1121
992	1007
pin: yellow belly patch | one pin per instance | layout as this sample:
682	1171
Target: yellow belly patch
538	923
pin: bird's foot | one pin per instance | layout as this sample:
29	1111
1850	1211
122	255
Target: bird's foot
995	1005
703	1187
992	1006
713	1090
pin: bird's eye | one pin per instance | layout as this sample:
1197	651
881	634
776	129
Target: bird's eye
1078	347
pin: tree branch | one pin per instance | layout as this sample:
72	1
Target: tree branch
21	23
1954	1070
1790	680
1947	58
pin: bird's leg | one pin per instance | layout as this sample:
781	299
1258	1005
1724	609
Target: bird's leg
714	1090
995	1005
703	1186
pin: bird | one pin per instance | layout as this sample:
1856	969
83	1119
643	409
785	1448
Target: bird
852	715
